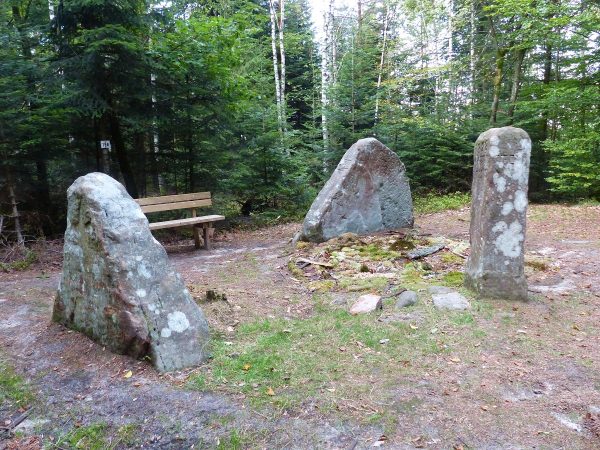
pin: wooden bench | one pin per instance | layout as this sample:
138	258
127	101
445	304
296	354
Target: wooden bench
183	201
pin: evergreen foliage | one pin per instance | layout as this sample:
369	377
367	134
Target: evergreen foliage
184	90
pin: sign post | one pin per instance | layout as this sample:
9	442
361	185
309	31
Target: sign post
106	147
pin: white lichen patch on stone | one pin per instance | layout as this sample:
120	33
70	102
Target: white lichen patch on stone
138	258
520	201
507	208
499	164
494	150
517	170
141	293
526	145
494	140
151	307
178	322
499	182
143	271
510	238
165	332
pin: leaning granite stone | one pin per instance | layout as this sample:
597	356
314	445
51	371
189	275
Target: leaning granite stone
118	286
368	191
450	300
366	304
495	266
407	298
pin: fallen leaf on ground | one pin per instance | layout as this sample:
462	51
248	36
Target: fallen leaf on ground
128	374
379	442
246	367
270	391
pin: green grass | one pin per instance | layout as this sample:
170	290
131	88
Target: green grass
376	253
430	203
329	356
235	441
363	284
13	388
127	434
91	437
453	279
98	436
21	264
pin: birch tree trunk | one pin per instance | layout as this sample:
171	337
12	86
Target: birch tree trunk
281	24
386	21
276	66
326	65
472	56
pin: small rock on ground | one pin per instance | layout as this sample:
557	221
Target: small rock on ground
450	300
407	298
365	304
439	290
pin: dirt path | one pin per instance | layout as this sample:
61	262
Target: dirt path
77	383
514	375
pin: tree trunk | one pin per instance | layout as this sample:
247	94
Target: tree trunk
276	68
139	146
121	154
516	83
472	54
281	24
546	81
325	83
386	20
44	205
497	86
15	213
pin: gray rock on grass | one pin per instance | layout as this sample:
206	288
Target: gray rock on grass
495	267
450	300
407	298
368	192
439	290
366	303
118	286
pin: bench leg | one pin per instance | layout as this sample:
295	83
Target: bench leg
197	236
208	235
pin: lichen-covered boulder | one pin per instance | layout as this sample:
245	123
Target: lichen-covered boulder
495	267
368	192
118	286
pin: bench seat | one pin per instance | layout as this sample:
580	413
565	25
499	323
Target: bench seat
177	223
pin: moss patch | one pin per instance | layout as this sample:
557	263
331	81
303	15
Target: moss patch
13	388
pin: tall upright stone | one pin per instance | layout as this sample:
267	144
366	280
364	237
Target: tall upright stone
118	286
368	192
498	214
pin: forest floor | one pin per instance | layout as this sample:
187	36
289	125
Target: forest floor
292	369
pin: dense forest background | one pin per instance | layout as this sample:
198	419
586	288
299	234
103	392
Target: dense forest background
241	98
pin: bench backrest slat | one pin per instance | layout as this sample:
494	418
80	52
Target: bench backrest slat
178	205
172	198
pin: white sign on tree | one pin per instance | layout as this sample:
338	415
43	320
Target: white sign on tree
105	145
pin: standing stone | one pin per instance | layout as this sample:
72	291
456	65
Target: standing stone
498	214
118	286
367	192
